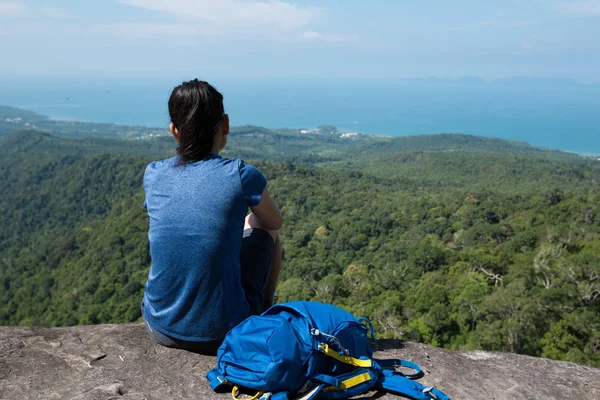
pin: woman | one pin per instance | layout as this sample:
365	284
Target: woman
212	264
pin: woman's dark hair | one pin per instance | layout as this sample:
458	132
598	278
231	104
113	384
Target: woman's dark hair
196	110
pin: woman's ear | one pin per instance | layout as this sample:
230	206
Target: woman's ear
225	125
174	132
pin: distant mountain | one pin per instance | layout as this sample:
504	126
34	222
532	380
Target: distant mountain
525	82
516	81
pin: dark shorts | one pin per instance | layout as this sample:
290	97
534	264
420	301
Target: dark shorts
255	260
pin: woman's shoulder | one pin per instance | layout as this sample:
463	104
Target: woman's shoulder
211	164
242	166
163	162
159	165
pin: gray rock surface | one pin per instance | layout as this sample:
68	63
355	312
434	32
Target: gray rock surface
121	362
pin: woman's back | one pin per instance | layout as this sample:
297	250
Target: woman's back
197	215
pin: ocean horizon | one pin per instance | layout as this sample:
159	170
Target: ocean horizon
551	113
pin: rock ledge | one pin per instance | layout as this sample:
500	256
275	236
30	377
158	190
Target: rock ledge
121	362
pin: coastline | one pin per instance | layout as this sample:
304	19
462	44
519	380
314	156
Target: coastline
343	132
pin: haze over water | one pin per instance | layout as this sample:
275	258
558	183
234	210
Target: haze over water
558	114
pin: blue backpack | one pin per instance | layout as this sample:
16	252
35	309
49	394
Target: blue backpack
305	350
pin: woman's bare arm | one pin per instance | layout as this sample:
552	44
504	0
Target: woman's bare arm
267	212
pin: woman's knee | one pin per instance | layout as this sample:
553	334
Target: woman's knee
252	222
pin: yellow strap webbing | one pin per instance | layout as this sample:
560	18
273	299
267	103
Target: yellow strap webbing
348	383
236	389
345	359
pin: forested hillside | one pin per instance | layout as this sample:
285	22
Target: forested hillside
471	244
505	170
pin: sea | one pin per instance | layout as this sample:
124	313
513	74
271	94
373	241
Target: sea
552	113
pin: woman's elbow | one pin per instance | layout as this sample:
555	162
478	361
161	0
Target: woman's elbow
276	223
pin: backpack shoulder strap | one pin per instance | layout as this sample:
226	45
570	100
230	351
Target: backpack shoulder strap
394	382
362	362
351	384
396	362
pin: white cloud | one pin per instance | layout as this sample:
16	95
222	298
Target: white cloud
325	37
273	13
583	8
10	9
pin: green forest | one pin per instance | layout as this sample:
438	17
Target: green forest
452	240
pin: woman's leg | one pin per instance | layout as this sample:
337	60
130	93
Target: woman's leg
274	271
264	268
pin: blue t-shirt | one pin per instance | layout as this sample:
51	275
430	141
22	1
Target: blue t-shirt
197	212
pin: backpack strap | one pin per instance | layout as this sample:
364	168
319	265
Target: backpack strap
363	363
394	382
396	362
217	380
236	390
351	384
368	325
219	384
353	379
327	379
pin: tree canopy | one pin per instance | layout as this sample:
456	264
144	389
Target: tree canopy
469	246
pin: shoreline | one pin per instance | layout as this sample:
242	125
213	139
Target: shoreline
311	131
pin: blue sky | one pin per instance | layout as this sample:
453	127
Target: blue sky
316	39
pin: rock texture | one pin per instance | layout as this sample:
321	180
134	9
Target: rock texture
121	362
